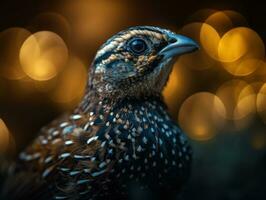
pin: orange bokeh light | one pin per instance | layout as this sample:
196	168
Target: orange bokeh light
43	55
71	83
201	116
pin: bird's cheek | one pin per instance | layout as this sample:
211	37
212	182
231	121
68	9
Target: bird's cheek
120	72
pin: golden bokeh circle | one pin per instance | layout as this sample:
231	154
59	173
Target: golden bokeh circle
71	83
209	39
243	67
232	46
241	50
220	21
194	31
43	55
176	88
201	116
238	97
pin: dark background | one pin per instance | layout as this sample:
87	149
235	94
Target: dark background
226	167
19	13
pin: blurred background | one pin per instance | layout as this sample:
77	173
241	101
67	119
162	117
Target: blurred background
218	95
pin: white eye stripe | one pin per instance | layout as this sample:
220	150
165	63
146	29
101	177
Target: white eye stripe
113	44
107	48
111	58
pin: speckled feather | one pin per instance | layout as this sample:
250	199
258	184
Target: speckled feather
125	144
113	140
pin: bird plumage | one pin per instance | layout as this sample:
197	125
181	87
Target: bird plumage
120	136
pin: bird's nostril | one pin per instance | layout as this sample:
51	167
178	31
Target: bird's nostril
172	40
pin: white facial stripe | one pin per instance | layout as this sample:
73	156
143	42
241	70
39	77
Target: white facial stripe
125	37
145	32
107	48
113	57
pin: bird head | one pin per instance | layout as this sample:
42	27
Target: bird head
137	62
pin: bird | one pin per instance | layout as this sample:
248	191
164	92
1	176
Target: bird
120	142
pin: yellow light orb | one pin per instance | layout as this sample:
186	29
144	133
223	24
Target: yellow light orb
232	46
241	51
43	70
246	104
243	67
209	39
11	41
176	88
71	84
220	22
201	116
239	99
240	42
198	60
43	55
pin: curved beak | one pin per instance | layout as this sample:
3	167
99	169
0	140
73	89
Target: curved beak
178	45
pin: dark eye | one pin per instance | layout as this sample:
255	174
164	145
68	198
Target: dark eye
137	46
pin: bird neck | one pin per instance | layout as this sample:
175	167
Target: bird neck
93	102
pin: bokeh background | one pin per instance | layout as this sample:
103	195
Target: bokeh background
218	95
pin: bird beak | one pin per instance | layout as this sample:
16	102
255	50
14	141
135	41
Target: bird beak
178	45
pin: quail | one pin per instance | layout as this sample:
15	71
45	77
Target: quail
120	140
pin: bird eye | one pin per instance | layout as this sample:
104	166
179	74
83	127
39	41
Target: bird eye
138	46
